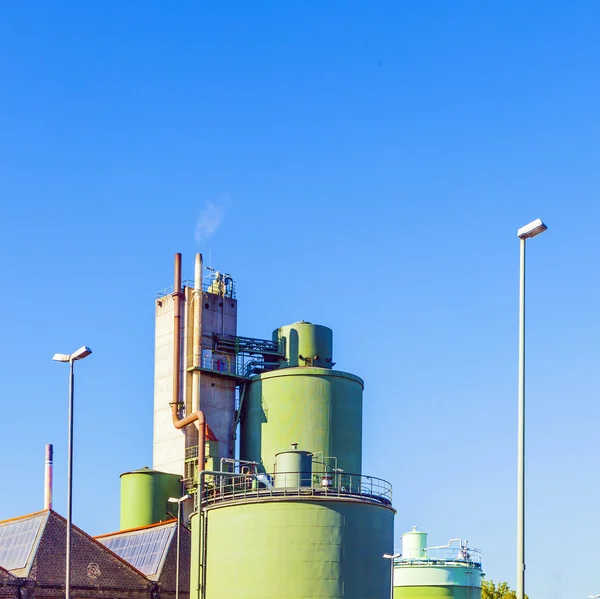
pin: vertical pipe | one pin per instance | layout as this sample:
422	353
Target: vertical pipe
178	546
177	332
48	475
521	438
69	484
197	334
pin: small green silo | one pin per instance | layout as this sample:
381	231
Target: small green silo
444	572
144	497
293	469
304	402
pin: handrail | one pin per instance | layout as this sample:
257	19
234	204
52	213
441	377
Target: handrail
232	487
441	556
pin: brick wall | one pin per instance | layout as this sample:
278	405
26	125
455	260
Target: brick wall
95	571
166	582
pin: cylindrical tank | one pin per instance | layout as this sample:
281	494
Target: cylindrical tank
317	408
299	549
413	544
437	581
294	469
306	344
441	573
144	497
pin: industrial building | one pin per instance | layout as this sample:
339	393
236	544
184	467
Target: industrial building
262	440
141	565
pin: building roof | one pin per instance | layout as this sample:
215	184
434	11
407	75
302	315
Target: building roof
19	539
144	548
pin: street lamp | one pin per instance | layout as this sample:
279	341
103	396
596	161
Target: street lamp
178	502
392	558
81	353
527	232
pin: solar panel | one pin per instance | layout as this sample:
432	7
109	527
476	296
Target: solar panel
17	540
143	549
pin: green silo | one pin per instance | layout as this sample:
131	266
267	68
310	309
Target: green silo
144	497
293	548
443	572
304	402
316	528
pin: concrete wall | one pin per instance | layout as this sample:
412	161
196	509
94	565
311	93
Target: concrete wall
169	443
217	392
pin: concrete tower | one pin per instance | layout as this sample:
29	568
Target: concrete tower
192	350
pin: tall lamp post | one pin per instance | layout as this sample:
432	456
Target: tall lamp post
178	502
392	558
527	232
81	353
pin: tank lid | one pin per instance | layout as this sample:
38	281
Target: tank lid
414	531
300	451
147	470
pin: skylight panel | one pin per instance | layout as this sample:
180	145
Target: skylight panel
17	540
143	549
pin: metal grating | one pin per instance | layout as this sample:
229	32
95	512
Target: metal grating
143	549
17	540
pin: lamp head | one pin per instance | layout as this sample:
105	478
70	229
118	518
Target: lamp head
532	229
61	357
81	353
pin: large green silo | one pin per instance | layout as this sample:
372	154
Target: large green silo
144	497
293	548
317	408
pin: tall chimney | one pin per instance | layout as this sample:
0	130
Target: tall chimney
48	467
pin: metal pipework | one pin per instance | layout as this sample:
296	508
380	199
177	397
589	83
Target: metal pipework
448	544
177	335
197	333
48	475
196	417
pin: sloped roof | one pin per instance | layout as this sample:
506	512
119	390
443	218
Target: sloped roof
19	538
144	548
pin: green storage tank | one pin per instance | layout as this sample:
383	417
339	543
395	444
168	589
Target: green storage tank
293	549
305	344
436	572
294	469
144	497
317	408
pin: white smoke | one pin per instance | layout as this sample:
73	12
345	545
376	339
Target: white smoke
210	219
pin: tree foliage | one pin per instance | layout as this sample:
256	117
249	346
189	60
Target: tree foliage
491	590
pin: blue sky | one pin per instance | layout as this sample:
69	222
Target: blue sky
370	166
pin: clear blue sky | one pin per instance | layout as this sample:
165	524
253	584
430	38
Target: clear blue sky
368	166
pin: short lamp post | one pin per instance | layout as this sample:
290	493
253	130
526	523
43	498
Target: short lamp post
392	558
81	353
178	501
529	231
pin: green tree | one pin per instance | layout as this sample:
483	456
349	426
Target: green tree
491	590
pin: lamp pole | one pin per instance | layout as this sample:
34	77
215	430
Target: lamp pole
178	502
392	558
81	353
527	232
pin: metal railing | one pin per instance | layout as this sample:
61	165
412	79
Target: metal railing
236	365
441	556
231	488
208	287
